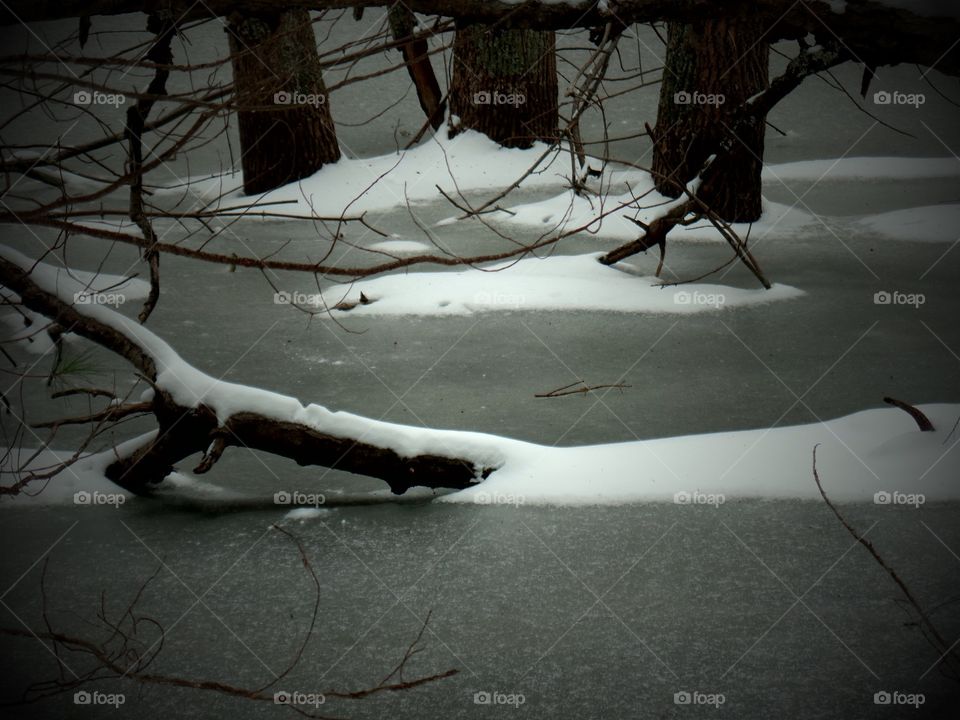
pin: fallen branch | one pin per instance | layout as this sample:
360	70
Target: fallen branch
128	652
186	429
565	390
945	650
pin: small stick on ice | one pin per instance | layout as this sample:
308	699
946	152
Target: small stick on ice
922	420
565	390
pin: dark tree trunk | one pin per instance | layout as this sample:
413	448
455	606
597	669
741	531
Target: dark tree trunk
286	131
711	67
505	84
415	55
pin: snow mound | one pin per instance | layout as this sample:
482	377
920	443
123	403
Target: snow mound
561	282
875	455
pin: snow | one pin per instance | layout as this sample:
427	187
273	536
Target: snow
85	475
468	162
191	387
559	282
869	452
22	329
400	247
567	211
875	455
934	223
471	163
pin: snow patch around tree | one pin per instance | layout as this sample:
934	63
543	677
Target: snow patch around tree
468	162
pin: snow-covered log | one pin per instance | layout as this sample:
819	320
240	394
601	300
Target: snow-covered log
196	413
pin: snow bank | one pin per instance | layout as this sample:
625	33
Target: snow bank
560	282
861	455
82	483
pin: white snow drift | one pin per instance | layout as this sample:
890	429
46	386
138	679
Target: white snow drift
560	282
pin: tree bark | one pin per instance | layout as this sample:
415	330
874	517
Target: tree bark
712	67
286	130
505	84
415	55
807	63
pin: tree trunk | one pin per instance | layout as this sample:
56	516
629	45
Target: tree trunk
416	56
712	67
505	84
286	131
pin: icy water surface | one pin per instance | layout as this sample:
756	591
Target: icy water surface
583	612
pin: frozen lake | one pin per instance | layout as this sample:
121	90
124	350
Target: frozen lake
605	612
